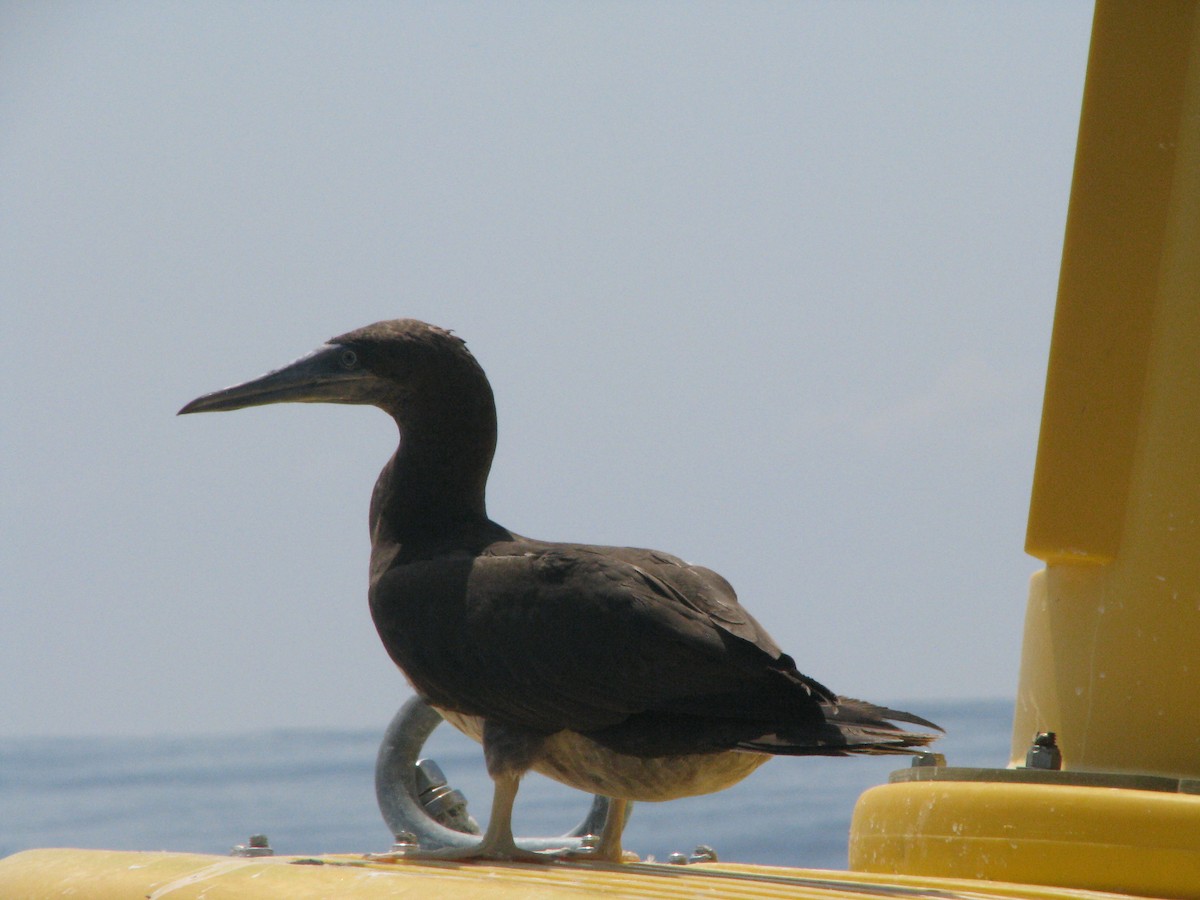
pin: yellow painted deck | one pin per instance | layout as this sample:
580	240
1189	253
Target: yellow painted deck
114	875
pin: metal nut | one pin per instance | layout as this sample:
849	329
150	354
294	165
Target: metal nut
257	845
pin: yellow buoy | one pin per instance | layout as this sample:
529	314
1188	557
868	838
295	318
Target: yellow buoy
1111	655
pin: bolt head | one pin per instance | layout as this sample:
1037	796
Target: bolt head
404	840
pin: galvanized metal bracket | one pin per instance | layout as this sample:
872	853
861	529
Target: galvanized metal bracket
398	771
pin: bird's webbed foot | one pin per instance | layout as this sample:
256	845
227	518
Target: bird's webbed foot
497	842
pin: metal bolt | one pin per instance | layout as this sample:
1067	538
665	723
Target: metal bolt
931	760
703	853
257	845
1044	753
429	776
445	804
405	840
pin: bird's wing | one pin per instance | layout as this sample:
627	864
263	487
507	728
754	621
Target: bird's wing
709	594
563	636
696	587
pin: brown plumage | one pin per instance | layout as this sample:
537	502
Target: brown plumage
616	670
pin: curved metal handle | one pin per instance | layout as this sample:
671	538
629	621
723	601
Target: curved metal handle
396	789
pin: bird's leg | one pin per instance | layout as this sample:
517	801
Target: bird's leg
498	841
609	848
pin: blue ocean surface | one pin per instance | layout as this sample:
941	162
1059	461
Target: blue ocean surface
313	792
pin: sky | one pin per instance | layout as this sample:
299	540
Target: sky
765	285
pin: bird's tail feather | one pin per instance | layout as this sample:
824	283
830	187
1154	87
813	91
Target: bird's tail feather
850	727
861	712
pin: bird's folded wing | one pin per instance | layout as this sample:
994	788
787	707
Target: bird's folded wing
558	636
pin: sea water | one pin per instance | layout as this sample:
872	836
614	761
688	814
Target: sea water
313	792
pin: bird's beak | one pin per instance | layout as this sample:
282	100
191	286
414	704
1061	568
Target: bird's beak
330	374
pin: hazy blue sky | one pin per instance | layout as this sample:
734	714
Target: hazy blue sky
766	285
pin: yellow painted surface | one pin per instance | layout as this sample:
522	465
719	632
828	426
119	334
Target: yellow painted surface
1111	664
1103	839
1133	187
1111	654
109	875
1111	659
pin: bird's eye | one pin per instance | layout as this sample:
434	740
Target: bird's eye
348	359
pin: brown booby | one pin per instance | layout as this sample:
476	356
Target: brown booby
620	671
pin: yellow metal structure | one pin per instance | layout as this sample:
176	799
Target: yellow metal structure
1111	654
116	875
1111	658
1107	839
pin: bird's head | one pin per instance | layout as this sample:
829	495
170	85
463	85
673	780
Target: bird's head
407	368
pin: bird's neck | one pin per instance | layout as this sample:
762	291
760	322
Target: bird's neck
430	495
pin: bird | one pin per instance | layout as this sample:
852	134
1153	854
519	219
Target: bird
621	671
